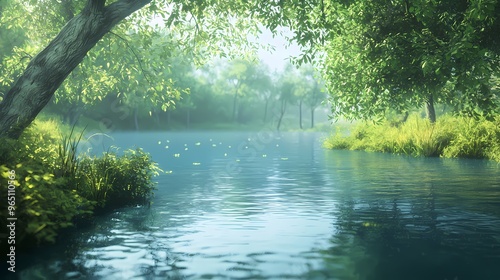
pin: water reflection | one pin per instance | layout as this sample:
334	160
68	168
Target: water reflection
419	218
299	212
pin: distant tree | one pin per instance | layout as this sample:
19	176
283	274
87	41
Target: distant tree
241	77
315	89
287	84
263	86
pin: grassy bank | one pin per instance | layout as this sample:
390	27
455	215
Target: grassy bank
450	137
55	188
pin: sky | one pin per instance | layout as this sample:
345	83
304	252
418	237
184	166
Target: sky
279	57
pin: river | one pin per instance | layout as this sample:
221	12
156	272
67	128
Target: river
268	205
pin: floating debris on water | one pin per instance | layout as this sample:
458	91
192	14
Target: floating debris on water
185	149
197	143
168	172
284	158
166	147
213	145
264	155
159	142
177	155
225	154
196	163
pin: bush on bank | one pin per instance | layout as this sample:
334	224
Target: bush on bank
55	186
450	137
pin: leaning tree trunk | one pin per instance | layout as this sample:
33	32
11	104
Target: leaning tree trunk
45	73
429	109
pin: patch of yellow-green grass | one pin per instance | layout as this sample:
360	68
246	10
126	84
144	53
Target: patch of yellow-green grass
448	137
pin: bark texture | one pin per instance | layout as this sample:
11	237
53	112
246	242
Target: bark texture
45	73
429	109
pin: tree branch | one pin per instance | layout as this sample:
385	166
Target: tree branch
135	54
46	71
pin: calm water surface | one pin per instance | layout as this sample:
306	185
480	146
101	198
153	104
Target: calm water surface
279	206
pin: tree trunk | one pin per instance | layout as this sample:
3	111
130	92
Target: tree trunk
282	113
136	121
405	117
45	73
300	114
235	100
312	117
429	109
265	110
156	118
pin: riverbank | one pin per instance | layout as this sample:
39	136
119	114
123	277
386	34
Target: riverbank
47	186
449	137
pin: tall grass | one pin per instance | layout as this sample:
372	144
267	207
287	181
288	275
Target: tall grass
448	137
67	155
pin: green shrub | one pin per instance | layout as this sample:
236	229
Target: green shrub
476	139
43	205
44	202
448	137
55	187
114	181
